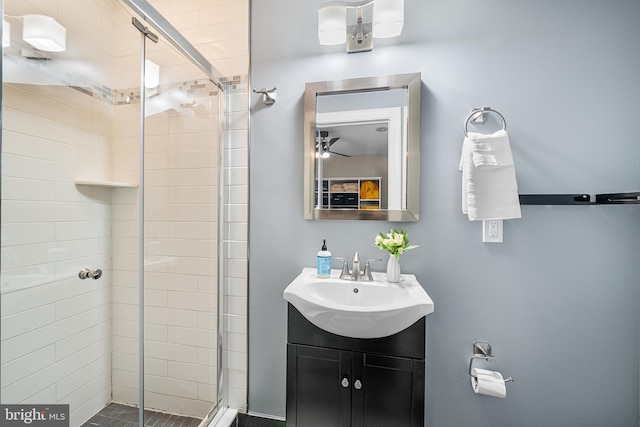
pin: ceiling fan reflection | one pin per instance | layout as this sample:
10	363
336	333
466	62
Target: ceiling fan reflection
324	143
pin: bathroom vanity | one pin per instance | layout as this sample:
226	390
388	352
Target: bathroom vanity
334	380
355	351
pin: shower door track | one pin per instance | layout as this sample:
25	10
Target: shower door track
164	27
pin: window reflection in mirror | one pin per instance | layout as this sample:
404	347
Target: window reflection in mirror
362	145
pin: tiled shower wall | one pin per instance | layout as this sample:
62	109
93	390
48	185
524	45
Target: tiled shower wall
220	30
55	328
236	213
180	257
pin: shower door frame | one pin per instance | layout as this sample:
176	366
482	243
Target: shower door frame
173	36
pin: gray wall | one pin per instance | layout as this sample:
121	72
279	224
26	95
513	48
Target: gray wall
559	299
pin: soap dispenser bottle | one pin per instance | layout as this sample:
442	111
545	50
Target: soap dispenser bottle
324	261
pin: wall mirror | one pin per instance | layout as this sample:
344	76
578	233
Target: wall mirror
362	148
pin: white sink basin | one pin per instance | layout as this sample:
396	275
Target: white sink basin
359	309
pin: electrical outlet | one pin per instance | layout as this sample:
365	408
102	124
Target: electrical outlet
492	231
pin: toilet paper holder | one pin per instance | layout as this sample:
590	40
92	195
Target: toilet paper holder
482	350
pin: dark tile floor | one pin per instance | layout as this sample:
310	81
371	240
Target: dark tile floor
116	415
245	420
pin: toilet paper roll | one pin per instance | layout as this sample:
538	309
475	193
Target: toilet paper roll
488	382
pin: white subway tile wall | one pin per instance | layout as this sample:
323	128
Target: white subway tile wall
55	328
180	261
236	218
220	30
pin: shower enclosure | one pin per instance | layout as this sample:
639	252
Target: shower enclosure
110	218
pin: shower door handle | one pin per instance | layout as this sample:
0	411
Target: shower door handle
87	273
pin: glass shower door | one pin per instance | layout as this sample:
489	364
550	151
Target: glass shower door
72	126
57	189
180	236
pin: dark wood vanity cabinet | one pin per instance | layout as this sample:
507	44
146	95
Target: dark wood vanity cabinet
339	381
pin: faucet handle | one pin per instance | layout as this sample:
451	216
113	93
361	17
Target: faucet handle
367	269
344	274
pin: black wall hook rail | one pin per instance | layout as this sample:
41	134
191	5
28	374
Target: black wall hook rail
618	199
580	199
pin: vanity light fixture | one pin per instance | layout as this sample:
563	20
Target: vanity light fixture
357	23
6	33
151	74
44	33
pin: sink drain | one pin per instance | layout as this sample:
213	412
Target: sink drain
356	290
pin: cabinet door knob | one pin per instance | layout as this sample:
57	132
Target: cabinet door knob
345	382
357	385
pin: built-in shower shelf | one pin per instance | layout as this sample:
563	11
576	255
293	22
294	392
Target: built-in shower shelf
106	184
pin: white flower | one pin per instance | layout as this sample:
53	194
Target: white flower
394	242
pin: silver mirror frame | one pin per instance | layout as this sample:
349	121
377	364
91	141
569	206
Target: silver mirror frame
411	82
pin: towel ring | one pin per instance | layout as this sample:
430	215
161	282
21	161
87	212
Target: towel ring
477	112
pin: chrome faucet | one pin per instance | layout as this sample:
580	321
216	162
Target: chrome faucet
355	267
355	273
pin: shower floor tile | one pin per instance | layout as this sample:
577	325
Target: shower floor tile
117	415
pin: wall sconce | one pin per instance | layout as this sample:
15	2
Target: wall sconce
44	33
357	23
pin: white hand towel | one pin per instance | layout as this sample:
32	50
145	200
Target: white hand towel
489	187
